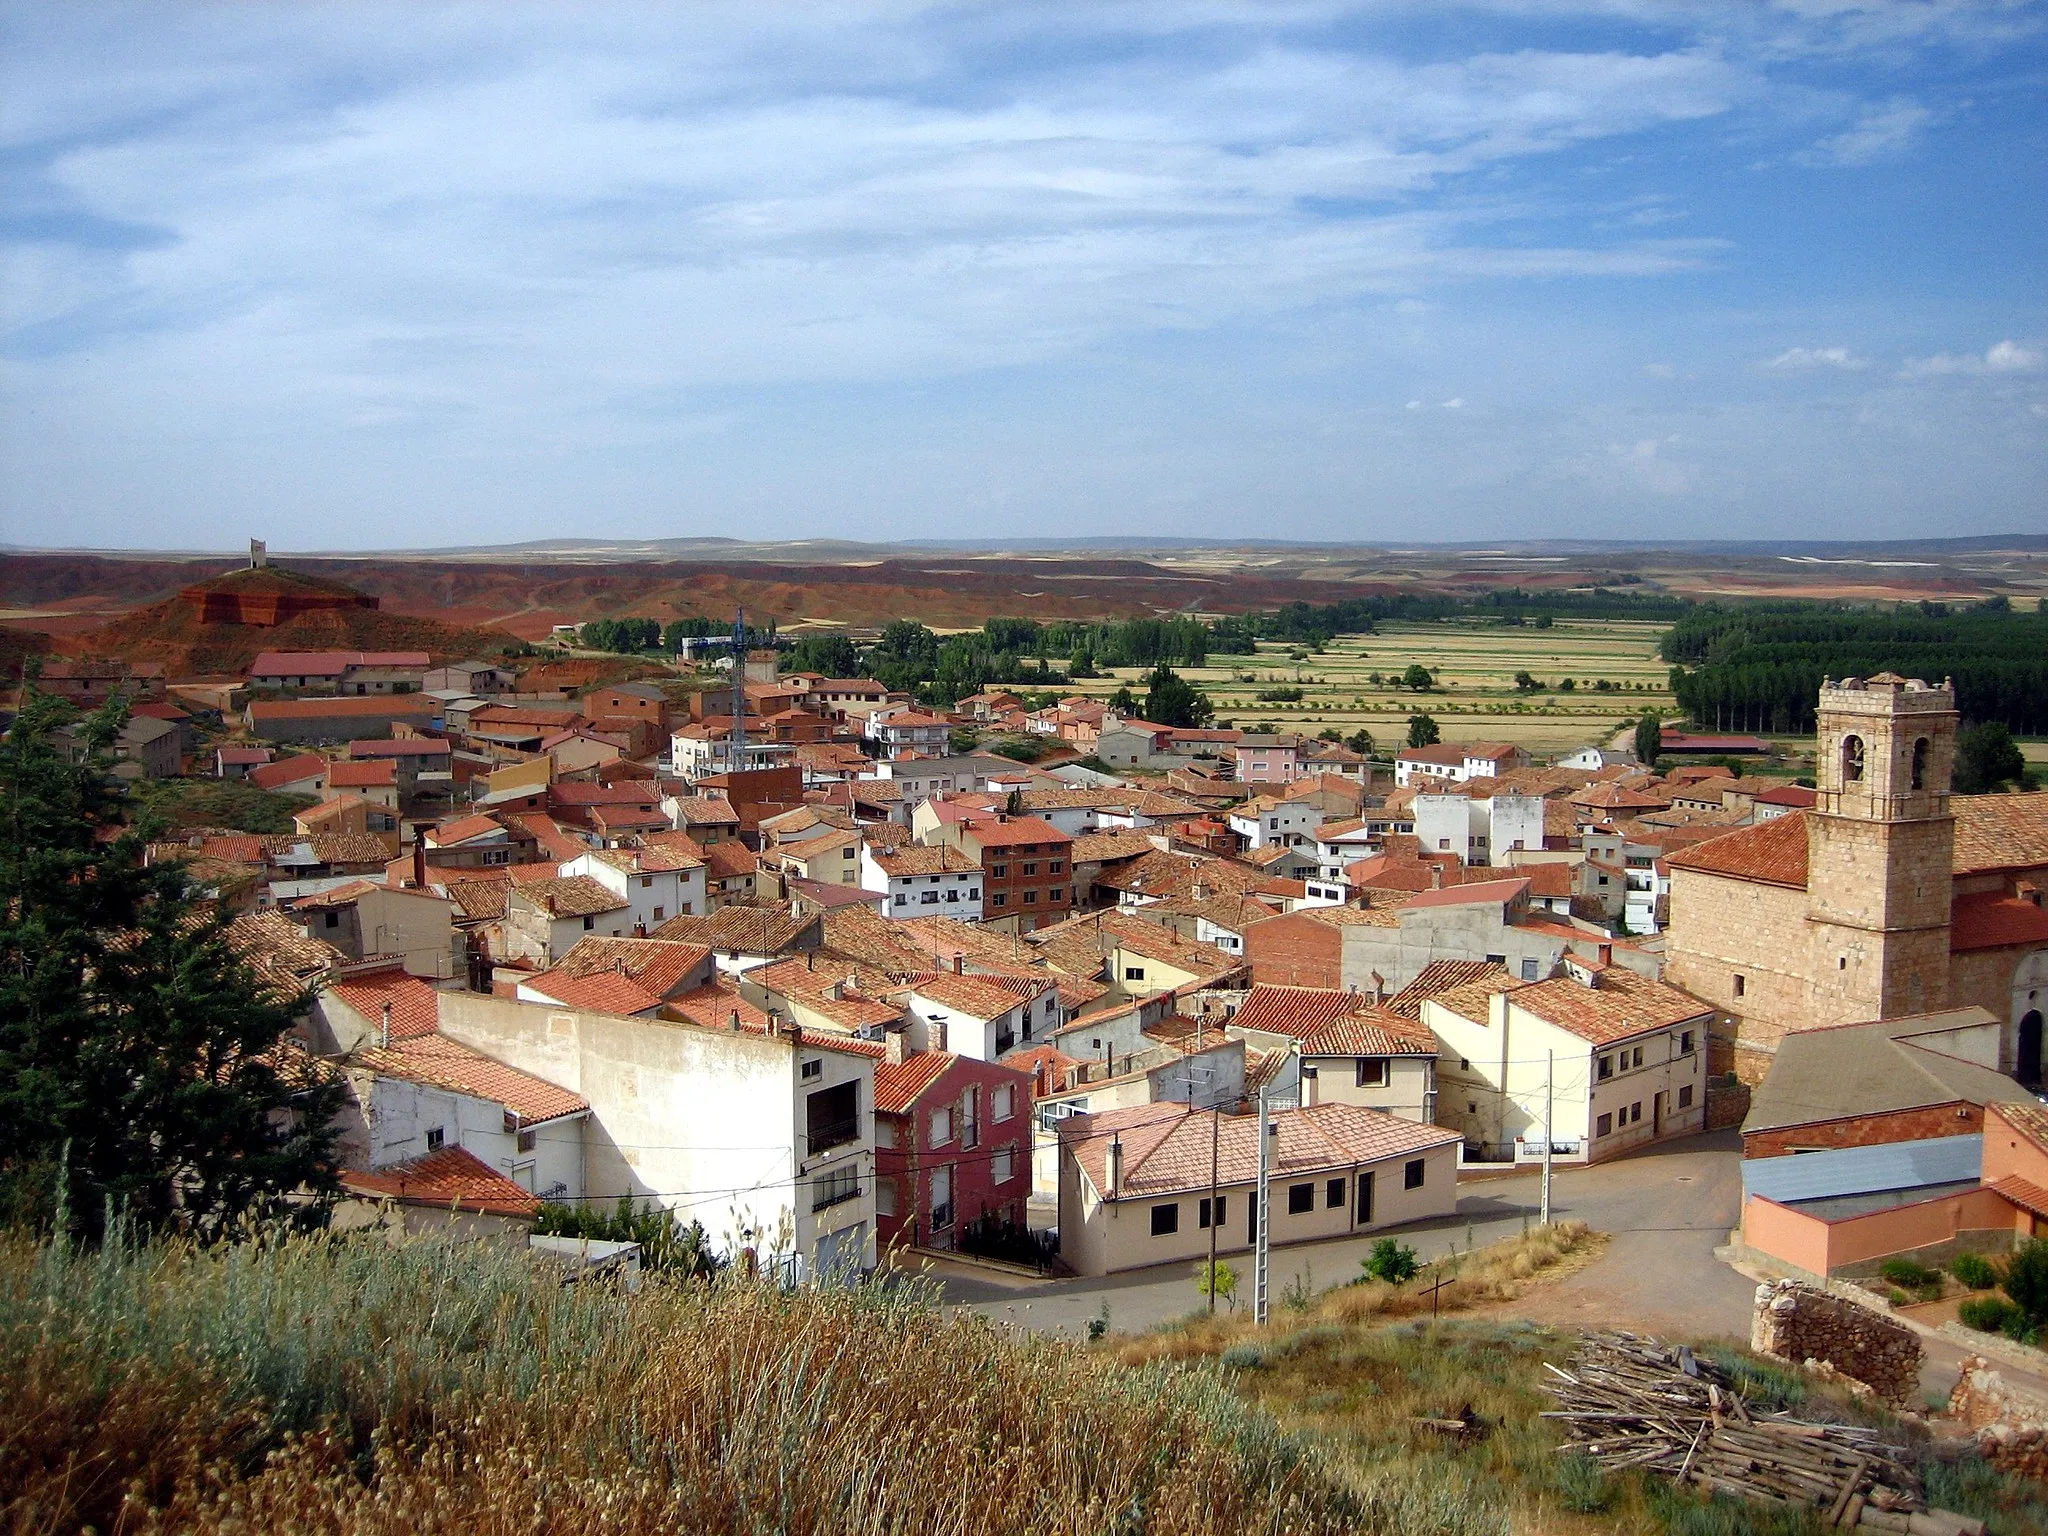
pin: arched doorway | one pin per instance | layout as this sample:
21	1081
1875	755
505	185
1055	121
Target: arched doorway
2027	1055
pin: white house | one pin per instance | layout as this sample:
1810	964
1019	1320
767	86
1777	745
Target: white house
1457	763
1621	1058
921	880
1478	831
763	1133
980	1017
1265	823
548	918
655	883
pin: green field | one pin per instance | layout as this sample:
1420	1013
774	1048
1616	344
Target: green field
1475	697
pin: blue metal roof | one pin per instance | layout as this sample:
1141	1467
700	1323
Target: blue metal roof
1860	1170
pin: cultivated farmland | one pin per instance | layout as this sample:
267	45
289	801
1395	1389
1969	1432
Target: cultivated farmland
1474	697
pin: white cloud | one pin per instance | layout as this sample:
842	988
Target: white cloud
1795	359
1454	404
1881	133
2001	357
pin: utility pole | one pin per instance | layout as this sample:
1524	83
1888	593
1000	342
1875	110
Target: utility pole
1215	1215
1261	1246
1549	1076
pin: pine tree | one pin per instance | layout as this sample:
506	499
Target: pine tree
138	1052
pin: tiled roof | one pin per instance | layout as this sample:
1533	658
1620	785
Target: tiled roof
1994	921
1372	1033
713	1005
1445	754
1471	998
348	848
660	859
578	792
409	746
461	829
739	930
705	811
595	992
571	896
811	981
1797	796
287	770
2027	1116
1622	1005
898	1084
1294	1011
272	943
661	965
1999	831
480	900
444	1063
554	842
1166	1146
415	1006
1476	892
448	1178
1771	852
729	860
2024	1193
976	996
991	833
624	818
923	859
366	706
338	896
371	774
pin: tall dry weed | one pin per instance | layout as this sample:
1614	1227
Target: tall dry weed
323	1384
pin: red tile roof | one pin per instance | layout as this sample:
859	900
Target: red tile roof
1994	921
979	997
660	965
440	1062
991	833
449	1178
288	770
598	992
2000	832
1771	852
1295	1011
571	896
1376	1032
461	829
375	773
368	706
898	1084
1622	1005
1477	892
415	1006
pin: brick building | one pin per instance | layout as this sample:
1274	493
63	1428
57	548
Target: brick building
1026	866
952	1145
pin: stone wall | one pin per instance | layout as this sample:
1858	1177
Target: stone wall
1805	1326
1923	1124
2011	1426
1727	1103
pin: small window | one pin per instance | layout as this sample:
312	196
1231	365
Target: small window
657	914
1165	1220
1464	1065
435	1138
589	923
997	871
647	882
998	899
1134	973
1685	1097
942	1127
813	1069
1740	983
1055	866
1002	1165
1054	895
1635	1112
1300	1198
1031	898
1604	1126
1003	1102
1685	1043
1920	763
528	1140
1030	869
1529	969
1606	1068
1852	759
1333	1194
1412	1174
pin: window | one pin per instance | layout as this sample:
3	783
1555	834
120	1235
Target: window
1372	1072
1739	983
999	900
1056	866
941	1127
1031	898
1635	1112
942	1199
1134	973
1443	842
1333	1194
1030	869
901	898
1920	763
1685	1097
1606	1068
647	882
885	1197
1055	894
589	923
1365	1199
1412	1173
1852	759
1002	1165
1300	1198
814	1069
436	1137
1604	1126
1529	969
657	914
928	898
334	920
997	871
1685	1043
831	1117
1003	1102
841	1183
1637	1059
970	1119
528	1140
1165	1220
1464	1064
952	895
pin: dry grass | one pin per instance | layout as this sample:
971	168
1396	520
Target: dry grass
314	1385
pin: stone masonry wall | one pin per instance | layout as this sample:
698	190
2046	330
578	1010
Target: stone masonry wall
1798	1323
1727	1103
2011	1426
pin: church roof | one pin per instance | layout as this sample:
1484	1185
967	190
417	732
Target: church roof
1771	852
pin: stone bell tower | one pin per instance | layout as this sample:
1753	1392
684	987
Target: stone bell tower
1879	850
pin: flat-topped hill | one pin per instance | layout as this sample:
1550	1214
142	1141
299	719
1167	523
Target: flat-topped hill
267	596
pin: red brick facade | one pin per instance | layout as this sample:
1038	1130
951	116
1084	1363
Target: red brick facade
1958	1118
1295	951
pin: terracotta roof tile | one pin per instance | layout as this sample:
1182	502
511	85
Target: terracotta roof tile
415	1006
979	997
1771	853
898	1084
448	1178
1439	977
436	1060
571	896
1993	921
1998	831
660	965
1622	1005
1376	1032
1297	1012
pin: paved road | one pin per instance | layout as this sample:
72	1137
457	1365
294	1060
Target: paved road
1668	1208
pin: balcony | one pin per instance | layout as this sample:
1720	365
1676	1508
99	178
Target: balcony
825	1135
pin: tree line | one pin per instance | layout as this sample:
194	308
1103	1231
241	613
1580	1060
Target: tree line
1318	624
1759	667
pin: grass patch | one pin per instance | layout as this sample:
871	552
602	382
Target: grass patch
227	803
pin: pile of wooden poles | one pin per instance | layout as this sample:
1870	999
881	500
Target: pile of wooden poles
1627	1401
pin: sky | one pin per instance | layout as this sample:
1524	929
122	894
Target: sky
359	276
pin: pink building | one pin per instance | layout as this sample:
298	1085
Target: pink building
1269	759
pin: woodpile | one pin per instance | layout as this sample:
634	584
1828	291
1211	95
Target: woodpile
1627	1401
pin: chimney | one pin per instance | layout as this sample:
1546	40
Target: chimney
895	1046
1379	988
1116	1169
733	1021
774	1023
639	930
2027	891
1606	954
959	963
384	1035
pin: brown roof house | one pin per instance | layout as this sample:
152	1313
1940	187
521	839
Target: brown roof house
1135	1185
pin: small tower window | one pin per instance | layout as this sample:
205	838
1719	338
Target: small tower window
1920	763
1852	759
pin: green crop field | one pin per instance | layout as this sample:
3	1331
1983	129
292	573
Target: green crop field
1474	698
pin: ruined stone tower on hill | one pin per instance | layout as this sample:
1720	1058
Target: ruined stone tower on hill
1880	848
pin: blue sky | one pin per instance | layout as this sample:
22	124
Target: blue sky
359	276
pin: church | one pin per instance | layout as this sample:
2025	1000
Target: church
1888	898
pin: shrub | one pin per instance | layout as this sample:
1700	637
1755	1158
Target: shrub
1904	1272
1974	1270
1581	1486
1244	1357
1391	1261
1987	1314
2026	1279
